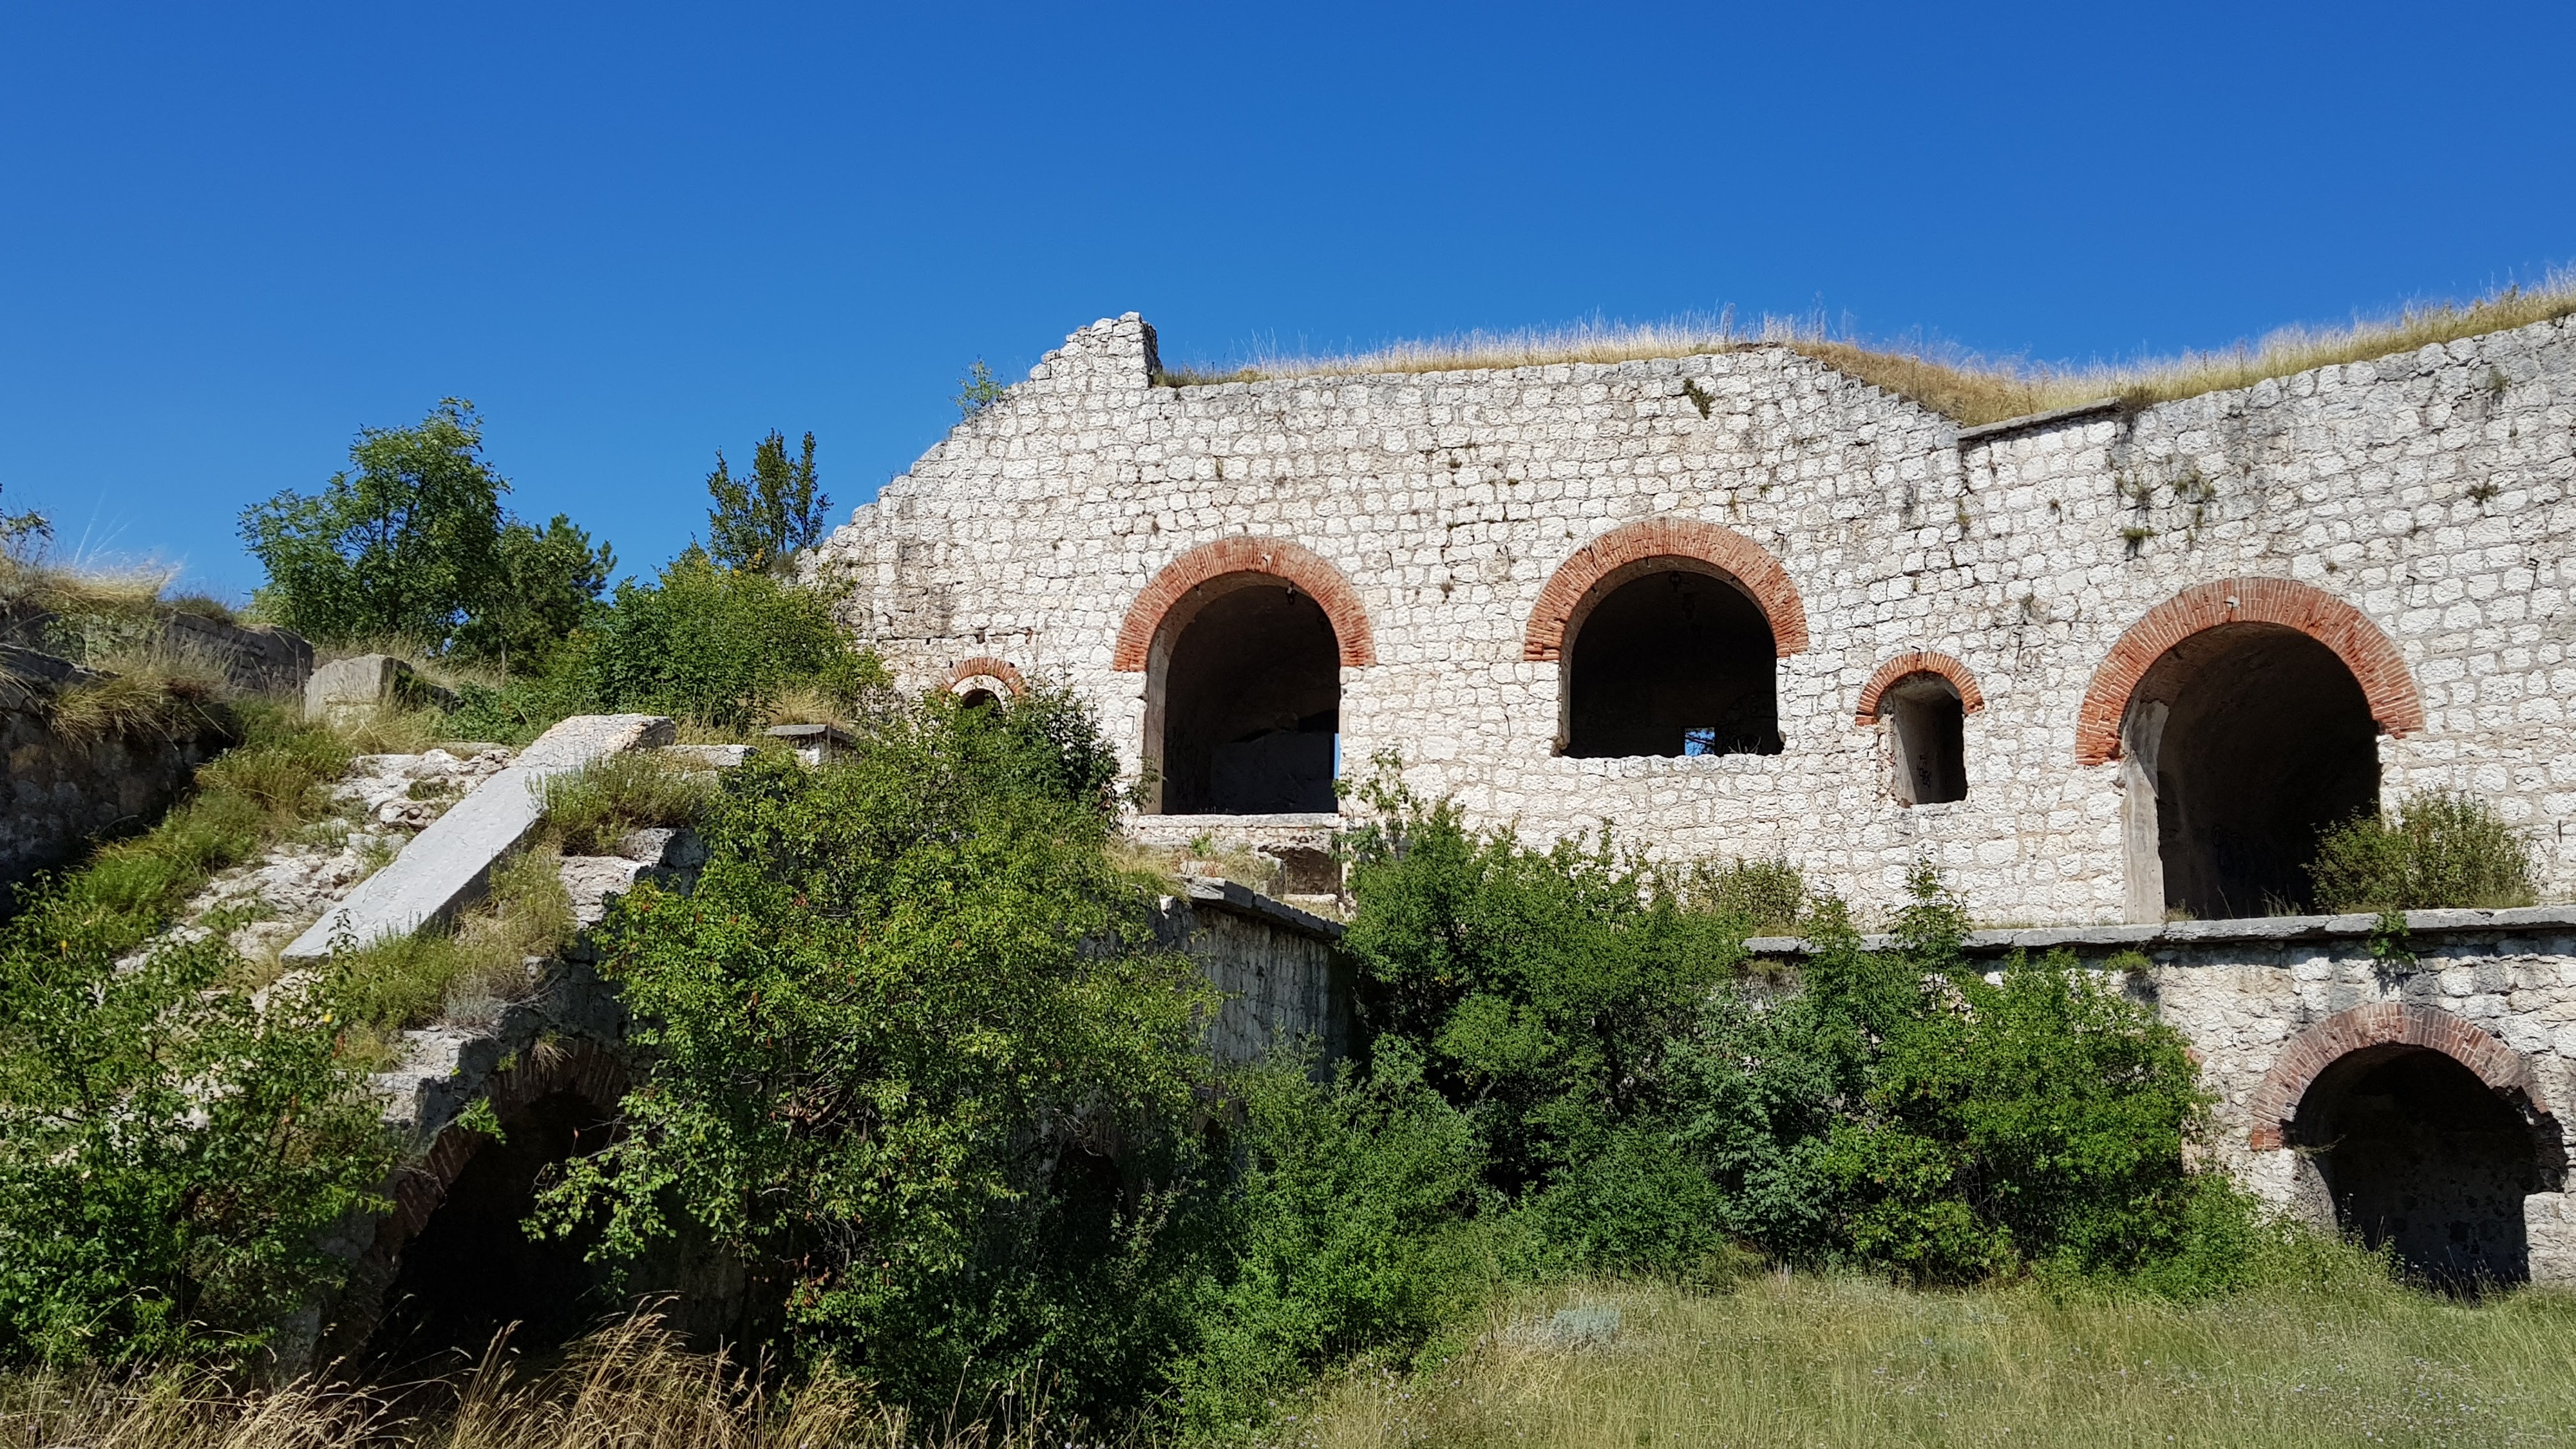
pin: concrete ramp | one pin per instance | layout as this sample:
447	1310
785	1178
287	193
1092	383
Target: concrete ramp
450	864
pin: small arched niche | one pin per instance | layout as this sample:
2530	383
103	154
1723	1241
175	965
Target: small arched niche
1243	700
2415	1153
2243	744
1670	656
1927	733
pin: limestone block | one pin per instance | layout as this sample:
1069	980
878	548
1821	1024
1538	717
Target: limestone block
450	863
368	682
2549	1227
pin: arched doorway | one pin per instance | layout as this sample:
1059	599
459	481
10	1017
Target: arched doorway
2247	742
1244	700
2418	1154
1670	656
472	1270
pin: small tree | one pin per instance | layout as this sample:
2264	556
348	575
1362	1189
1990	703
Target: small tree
403	544
765	518
978	390
22	534
547	582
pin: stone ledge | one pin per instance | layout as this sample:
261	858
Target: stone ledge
1243	900
1984	432
2254	930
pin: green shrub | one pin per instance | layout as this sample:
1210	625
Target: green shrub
717	645
886	1038
2441	849
1769	896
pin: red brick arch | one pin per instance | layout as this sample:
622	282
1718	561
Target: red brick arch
983	666
1746	561
1303	567
2385	1024
1906	666
2373	660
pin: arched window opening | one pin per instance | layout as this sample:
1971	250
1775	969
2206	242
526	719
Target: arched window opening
2418	1154
1670	657
977	699
1928	728
2247	742
472	1269
1249	689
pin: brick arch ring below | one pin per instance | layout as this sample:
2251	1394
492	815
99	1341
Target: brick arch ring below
2373	660
2306	1056
1749	563
1906	666
983	666
1277	557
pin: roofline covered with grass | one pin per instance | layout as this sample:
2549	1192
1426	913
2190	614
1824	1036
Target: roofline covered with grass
1971	390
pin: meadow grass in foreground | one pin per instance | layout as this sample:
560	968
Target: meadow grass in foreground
1788	1361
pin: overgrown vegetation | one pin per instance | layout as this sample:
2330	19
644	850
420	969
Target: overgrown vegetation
2439	848
760	522
169	1150
1964	387
595	807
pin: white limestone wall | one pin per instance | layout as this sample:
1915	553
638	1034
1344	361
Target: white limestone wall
2430	490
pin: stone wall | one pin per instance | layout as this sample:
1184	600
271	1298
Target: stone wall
1277	966
2426	494
57	796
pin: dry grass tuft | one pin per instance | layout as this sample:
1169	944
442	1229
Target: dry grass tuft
632	1386
593	808
1962	386
34	586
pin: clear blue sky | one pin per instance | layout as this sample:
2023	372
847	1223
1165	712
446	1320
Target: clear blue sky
229	236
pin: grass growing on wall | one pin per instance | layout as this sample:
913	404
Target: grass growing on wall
1967	388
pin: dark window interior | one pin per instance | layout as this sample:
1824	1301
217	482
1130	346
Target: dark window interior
1252	698
1674	662
2268	743
1930	729
2419	1154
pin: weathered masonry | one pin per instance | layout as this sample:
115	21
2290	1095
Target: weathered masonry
2098	665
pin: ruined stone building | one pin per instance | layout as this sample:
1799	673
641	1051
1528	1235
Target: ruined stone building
2105	667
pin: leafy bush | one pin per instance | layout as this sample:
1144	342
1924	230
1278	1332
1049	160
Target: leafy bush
889	1041
716	645
2441	849
1768	896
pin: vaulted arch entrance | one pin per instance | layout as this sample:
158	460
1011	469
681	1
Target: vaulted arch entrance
2246	714
2423	1134
1243	643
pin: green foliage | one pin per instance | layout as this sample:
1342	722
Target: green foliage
1768	896
2442	848
762	521
25	533
593	808
717	645
411	543
168	1153
909	1002
1541	986
546	583
1349	1227
978	390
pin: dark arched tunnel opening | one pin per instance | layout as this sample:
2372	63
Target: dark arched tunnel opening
1670	659
473	1269
2265	741
2421	1156
1251	705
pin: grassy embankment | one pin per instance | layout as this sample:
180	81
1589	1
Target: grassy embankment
1965	387
1801	1361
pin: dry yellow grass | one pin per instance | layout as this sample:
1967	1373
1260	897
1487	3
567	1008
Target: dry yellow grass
630	1387
1969	389
1844	1362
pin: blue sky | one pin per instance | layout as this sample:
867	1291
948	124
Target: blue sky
635	234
